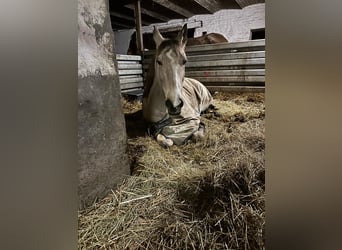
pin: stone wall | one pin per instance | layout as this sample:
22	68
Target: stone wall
102	136
235	25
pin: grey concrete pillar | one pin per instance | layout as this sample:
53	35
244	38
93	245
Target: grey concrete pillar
102	136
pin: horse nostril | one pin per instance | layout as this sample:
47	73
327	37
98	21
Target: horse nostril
168	104
174	110
181	103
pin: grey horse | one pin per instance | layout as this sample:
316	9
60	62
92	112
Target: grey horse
173	103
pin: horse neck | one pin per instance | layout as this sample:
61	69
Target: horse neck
154	101
158	96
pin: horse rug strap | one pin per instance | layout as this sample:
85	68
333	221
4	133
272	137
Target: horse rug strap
181	130
155	128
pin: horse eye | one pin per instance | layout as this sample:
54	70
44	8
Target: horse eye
184	61
159	62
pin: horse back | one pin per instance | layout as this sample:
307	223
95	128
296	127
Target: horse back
210	38
197	95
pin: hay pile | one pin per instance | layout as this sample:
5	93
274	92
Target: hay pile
204	195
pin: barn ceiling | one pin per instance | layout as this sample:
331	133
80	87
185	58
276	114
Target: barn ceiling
160	11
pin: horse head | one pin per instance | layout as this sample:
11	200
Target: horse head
169	66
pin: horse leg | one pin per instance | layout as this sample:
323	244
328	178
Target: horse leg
162	140
199	134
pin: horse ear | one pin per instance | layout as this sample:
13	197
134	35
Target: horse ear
182	36
157	37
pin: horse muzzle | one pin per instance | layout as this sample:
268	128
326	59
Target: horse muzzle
174	110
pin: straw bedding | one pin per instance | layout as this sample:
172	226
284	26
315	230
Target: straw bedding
203	195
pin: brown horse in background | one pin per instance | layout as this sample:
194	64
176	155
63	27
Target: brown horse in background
149	43
210	38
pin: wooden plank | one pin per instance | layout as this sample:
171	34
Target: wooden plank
128	57
243	72
227	56
234	62
229	47
130	72
129	62
222	51
234	45
129	76
135	93
127	91
221	56
129	66
238	78
218	68
132	85
139	37
150	53
211	73
243	89
229	67
176	8
130	80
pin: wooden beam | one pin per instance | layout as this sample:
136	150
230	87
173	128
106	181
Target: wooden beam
126	17
210	5
120	15
155	7
120	25
230	4
244	3
173	26
137	13
149	13
176	8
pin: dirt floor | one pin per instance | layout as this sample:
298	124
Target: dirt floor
203	195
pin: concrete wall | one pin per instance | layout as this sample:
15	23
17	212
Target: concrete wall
102	137
235	25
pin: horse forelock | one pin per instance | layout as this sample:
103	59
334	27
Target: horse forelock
168	44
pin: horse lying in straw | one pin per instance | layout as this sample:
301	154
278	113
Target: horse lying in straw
172	103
